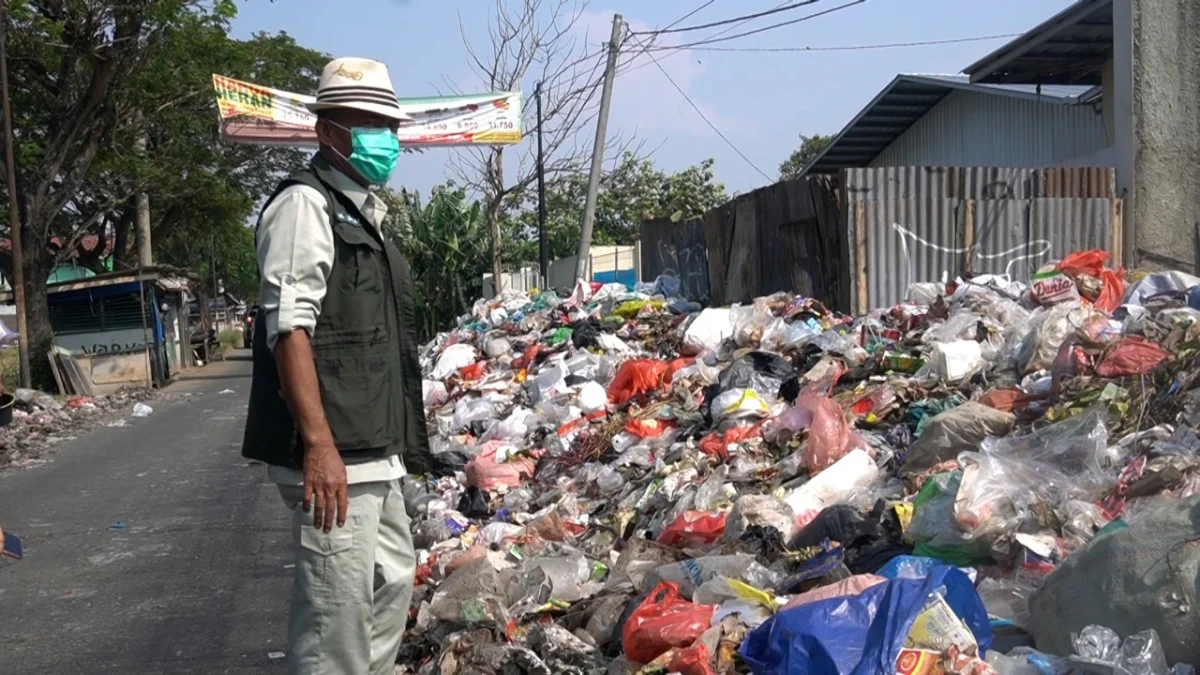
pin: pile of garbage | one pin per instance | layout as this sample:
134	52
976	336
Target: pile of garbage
41	421
988	478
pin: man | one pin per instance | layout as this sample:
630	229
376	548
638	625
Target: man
335	403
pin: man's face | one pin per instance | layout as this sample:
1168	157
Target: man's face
337	134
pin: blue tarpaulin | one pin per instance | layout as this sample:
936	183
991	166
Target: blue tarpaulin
861	634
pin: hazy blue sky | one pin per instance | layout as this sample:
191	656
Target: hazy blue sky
760	101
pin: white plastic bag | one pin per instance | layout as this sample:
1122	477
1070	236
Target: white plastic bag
739	404
834	485
142	410
958	360
592	397
434	393
454	358
708	331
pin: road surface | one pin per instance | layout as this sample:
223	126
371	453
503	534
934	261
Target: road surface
196	580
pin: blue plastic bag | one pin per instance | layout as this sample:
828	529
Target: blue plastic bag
862	634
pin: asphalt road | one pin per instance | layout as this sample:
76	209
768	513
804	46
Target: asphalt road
196	580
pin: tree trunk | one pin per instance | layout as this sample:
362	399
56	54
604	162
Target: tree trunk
37	318
123	227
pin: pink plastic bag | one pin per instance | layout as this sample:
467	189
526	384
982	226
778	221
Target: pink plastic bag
830	437
485	473
852	586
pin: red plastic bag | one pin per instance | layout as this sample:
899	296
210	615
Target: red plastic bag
1131	357
473	372
648	428
664	621
691	661
1092	264
636	378
678	365
694	529
525	360
717	443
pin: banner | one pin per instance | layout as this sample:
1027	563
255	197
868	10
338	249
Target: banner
250	113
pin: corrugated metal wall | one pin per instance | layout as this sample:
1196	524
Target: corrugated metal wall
933	223
973	129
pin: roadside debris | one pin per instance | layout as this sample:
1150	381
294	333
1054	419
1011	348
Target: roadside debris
635	486
142	410
41	421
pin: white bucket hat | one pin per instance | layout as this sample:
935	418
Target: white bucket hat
359	84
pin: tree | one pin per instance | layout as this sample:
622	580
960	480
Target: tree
530	40
810	147
632	191
446	244
89	80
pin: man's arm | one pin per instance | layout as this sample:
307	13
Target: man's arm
295	254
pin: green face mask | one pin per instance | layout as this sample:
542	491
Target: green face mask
374	153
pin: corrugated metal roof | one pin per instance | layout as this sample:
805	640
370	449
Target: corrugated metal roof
907	99
1068	48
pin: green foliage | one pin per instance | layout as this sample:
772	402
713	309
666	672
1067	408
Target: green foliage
447	244
229	340
632	191
810	147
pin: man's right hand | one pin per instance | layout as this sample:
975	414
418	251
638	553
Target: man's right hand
325	490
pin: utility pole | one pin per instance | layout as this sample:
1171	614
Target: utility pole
145	252
589	209
543	236
14	211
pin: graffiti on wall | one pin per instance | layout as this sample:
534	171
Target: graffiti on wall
102	343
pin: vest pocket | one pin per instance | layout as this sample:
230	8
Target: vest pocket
352	368
362	257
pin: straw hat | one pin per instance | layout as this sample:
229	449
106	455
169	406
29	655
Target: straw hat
358	84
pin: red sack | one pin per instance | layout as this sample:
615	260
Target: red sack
717	443
664	621
694	529
636	378
691	661
1133	356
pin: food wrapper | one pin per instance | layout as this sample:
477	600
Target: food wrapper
1053	287
919	662
938	628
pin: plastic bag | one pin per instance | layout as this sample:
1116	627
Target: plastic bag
955	431
958	360
1013	475
861	634
717	443
830	437
691	661
453	359
835	485
434	393
759	511
592	398
636	378
708	331
846	587
1092	264
665	620
749	323
488	472
1048	330
691	574
470	410
1132	356
693	529
739	404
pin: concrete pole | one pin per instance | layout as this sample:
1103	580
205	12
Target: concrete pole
145	251
589	209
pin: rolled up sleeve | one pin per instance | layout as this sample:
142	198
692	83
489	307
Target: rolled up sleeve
295	255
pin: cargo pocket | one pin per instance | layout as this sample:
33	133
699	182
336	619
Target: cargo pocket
352	368
326	563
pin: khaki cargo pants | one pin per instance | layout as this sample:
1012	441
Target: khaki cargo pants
352	586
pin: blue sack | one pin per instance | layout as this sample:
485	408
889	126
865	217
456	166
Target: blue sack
861	634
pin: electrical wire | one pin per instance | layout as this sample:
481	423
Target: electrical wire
764	29
736	19
705	118
840	48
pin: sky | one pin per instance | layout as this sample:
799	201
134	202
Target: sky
760	101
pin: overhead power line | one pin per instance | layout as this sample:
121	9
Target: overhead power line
839	48
756	31
705	118
736	19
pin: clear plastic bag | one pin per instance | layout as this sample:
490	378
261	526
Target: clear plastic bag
749	323
759	511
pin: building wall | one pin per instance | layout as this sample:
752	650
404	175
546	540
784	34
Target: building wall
973	129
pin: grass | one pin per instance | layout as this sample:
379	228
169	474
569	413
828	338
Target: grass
229	340
10	368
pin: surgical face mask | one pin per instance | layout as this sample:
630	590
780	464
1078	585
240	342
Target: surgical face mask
374	152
